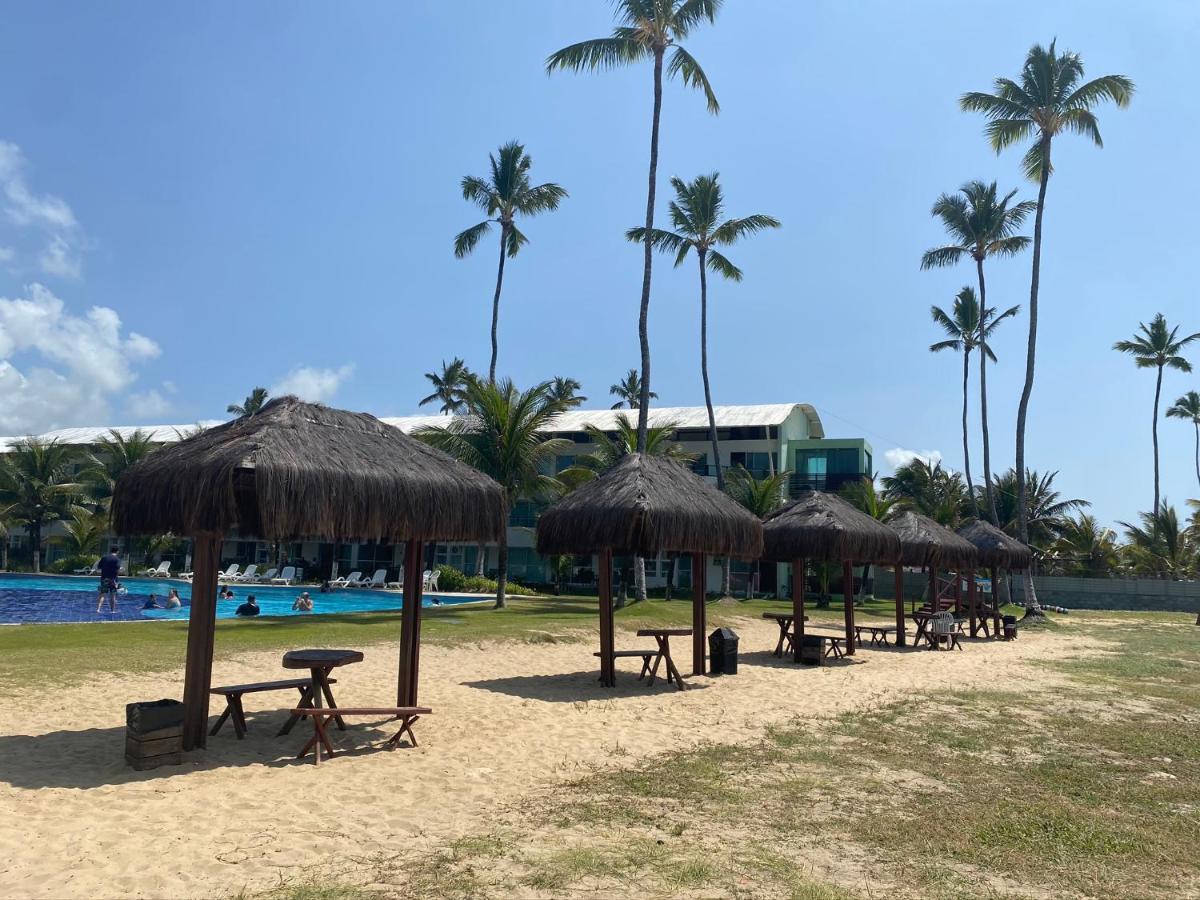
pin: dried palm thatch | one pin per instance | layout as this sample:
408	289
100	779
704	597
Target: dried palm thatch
824	527
996	549
297	470
645	505
923	542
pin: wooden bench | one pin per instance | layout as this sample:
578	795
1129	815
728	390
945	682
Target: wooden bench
406	714
836	642
879	633
647	657
233	701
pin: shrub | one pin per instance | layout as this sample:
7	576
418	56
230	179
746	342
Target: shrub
69	564
450	579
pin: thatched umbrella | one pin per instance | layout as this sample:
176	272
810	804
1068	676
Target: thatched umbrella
998	551
298	470
824	527
645	505
925	543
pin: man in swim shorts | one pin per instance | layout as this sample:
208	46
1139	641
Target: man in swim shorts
110	569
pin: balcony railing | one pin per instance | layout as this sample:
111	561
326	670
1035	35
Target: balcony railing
831	482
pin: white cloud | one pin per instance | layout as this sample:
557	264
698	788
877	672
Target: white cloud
312	384
900	456
48	215
148	405
59	369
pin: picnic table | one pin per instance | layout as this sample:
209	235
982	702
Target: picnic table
233	694
784	621
878	632
662	637
319	663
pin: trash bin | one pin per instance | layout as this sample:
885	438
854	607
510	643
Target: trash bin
722	652
812	650
1010	628
153	734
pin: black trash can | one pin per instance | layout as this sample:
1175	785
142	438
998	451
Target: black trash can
1010	628
812	650
722	652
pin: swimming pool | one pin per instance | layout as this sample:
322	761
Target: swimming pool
63	598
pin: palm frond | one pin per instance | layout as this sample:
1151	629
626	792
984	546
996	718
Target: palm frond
683	64
940	257
723	267
466	241
597	54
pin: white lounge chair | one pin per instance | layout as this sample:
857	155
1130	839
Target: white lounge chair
94	570
398	584
287	576
356	579
248	575
163	571
353	578
229	574
266	576
378	580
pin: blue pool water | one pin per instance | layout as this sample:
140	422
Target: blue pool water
61	598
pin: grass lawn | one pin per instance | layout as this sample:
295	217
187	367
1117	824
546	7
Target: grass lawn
1082	783
65	654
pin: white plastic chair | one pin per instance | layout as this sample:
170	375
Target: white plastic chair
287	576
248	575
378	580
266	576
163	571
398	584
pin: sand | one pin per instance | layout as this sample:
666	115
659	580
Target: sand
509	718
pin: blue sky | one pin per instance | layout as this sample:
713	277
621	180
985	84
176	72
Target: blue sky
267	194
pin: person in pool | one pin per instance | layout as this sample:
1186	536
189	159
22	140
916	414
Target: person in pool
303	603
173	601
110	571
152	603
249	608
226	594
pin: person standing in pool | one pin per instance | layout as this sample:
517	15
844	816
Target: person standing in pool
110	570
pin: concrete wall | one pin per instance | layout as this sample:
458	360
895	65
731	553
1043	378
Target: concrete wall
1115	593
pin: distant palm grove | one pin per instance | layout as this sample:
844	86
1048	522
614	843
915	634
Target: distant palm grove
500	427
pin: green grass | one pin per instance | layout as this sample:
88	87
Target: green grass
68	654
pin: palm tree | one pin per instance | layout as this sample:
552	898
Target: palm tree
647	30
863	495
566	392
1159	546
981	225
1047	511
608	448
629	391
1188	407
1048	99
504	195
1085	547
109	458
83	532
36	488
1157	348
448	386
501	436
924	486
761	496
696	216
967	331
251	405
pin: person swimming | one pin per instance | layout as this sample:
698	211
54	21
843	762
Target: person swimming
173	601
152	603
303	603
249	608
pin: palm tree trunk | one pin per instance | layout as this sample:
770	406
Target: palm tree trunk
1197	425
989	496
966	437
35	540
502	567
644	312
639	578
670	576
1154	434
496	301
481	560
726	575
1031	600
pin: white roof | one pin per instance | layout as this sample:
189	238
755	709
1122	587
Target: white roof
680	416
575	420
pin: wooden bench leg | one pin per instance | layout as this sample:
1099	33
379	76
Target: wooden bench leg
319	735
331	704
305	703
224	715
406	724
239	716
645	665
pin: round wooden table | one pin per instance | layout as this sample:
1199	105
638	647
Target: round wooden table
320	663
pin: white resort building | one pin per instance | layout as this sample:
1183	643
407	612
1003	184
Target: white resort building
762	438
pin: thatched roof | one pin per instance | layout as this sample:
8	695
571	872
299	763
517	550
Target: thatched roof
299	469
923	542
646	505
826	528
995	548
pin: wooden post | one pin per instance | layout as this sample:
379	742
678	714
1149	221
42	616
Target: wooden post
607	662
410	625
798	567
202	627
699	599
933	591
972	602
957	593
995	603
901	640
848	592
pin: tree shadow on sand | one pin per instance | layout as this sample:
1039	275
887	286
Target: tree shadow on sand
94	757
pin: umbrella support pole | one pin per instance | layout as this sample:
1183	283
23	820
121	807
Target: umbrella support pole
848	593
202	630
410	626
798	567
699	598
901	639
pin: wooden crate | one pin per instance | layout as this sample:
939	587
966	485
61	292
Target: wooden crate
163	747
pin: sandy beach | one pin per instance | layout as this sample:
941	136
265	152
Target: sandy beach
508	718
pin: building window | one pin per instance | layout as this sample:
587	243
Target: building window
758	464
